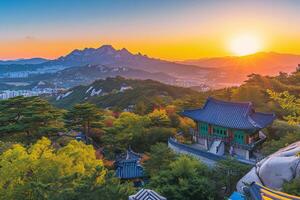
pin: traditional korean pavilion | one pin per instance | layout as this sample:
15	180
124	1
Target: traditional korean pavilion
129	167
232	127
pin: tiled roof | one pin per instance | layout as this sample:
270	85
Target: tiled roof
238	115
145	194
133	155
129	169
130	154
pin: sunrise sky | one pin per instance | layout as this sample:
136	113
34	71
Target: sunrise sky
167	29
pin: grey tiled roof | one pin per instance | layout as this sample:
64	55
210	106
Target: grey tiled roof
238	115
129	169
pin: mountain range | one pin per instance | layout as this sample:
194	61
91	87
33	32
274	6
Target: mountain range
109	56
264	63
137	65
89	64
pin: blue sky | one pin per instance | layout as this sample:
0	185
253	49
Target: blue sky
140	24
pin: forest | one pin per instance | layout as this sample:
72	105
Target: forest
41	159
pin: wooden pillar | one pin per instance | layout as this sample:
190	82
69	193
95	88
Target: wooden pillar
230	134
246	139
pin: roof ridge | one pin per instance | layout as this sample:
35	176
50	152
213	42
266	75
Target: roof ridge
192	109
250	108
253	122
229	102
266	113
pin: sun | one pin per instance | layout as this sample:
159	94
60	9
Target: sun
245	44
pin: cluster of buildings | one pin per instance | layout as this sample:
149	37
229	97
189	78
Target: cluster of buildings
6	94
36	71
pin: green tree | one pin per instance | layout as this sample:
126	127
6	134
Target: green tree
30	115
127	128
160	157
159	117
292	187
290	103
174	120
41	172
254	93
186	178
140	108
279	129
272	146
83	117
228	172
86	188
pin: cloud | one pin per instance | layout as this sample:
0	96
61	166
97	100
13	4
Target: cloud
30	38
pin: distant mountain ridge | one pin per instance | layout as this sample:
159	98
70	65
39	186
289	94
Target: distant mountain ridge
85	66
109	56
86	74
264	63
139	66
23	61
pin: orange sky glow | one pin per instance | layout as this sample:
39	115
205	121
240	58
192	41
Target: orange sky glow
192	30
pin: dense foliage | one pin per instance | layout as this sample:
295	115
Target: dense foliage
228	172
290	103
26	119
292	187
43	172
185	178
39	158
280	134
83	117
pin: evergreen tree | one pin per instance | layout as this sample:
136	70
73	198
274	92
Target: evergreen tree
228	172
186	178
160	158
83	117
31	115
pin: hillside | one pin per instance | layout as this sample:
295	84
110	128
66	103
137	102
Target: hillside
87	74
120	92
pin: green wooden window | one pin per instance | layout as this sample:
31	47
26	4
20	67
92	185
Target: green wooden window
220	131
203	129
239	136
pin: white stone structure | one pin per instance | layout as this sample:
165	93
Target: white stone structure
274	170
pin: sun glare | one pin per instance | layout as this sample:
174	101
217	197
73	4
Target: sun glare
245	45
